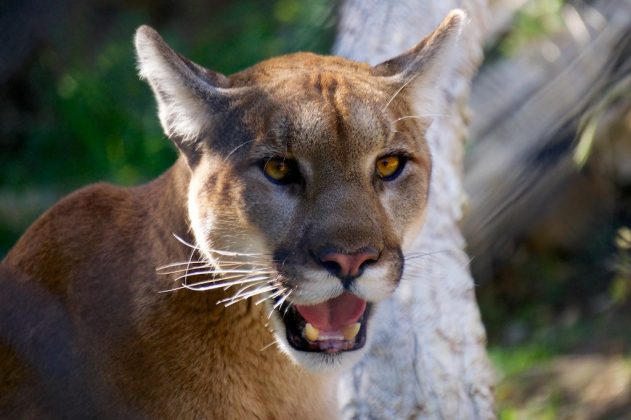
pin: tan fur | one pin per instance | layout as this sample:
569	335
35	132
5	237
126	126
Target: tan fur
82	284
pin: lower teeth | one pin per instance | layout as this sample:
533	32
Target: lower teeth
348	333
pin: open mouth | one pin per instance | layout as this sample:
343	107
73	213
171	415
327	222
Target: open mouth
333	326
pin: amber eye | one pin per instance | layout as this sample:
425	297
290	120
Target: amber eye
276	169
389	167
280	170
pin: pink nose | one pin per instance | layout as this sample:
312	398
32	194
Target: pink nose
348	265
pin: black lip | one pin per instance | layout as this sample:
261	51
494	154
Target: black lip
295	323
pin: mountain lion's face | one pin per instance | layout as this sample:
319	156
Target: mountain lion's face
309	176
323	181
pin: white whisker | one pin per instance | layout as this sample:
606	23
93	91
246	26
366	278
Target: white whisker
260	263
218	251
272	296
414	255
183	270
240	280
204	272
238	276
279	303
236	254
214	284
252	271
164	267
190	259
282	299
242	290
236	148
397	92
233	264
252	294
268	346
195	247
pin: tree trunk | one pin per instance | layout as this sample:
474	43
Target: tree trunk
428	357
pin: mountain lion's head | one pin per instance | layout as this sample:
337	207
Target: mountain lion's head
310	175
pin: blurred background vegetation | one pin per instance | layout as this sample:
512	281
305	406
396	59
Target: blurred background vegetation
72	112
72	109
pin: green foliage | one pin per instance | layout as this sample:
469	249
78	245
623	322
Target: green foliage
511	364
96	120
538	18
620	288
509	361
620	91
91	119
247	32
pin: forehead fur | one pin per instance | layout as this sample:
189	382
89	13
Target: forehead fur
288	66
305	102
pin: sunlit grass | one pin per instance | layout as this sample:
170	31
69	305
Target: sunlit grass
556	373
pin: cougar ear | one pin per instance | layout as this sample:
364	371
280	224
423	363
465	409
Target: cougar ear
420	68
188	95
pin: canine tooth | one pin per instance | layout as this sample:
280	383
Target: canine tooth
351	331
311	332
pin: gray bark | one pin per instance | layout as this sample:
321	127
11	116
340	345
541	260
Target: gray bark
428	358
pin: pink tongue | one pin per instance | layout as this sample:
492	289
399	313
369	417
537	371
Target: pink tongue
334	314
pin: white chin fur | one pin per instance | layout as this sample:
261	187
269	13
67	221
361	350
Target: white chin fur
317	362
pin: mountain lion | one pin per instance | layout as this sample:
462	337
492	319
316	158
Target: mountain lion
244	279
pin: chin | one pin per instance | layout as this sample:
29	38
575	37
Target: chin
323	362
325	345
